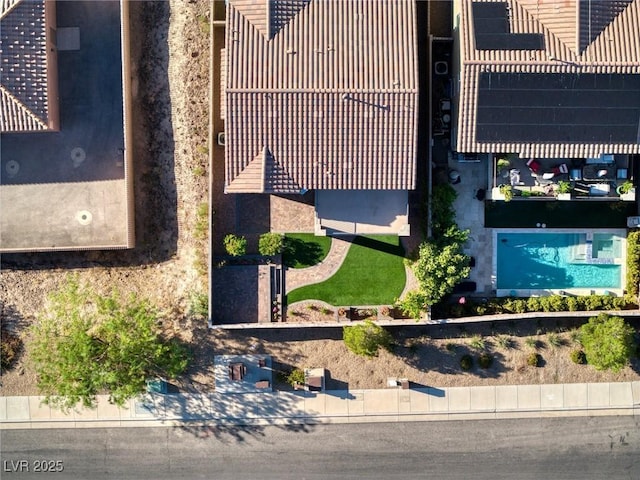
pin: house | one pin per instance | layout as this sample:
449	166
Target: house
66	180
547	79
322	96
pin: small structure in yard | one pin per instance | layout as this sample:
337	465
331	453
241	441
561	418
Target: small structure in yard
243	373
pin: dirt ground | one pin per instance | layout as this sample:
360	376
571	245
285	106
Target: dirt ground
170	54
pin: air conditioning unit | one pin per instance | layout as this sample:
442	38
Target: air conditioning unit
221	139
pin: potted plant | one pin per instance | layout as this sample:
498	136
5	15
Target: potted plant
626	190
507	191
502	165
564	190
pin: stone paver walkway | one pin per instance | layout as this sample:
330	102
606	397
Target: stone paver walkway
299	277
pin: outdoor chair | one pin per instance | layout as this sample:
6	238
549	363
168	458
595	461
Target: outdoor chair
534	166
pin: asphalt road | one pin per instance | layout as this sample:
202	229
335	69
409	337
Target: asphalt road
562	448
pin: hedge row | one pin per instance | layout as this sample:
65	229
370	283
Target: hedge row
633	263
553	303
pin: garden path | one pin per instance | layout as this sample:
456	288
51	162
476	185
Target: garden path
299	277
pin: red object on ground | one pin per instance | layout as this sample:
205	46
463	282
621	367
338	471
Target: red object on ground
533	165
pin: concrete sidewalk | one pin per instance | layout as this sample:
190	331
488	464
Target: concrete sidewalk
340	406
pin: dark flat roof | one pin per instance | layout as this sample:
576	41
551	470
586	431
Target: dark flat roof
567	107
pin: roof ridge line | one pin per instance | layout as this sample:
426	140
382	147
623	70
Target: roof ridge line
23	107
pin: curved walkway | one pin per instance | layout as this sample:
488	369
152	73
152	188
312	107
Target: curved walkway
299	277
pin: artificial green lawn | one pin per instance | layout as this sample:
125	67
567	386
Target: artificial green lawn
372	274
305	249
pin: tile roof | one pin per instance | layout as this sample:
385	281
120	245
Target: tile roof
326	98
608	45
23	66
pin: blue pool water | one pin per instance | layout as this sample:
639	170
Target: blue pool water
558	260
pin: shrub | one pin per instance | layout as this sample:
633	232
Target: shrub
466	362
450	346
270	244
593	302
366	339
555	340
572	304
533	304
608	342
477	342
296	376
413	304
485	360
199	305
202	221
442	213
10	348
533	359
515	305
507	191
633	263
578	356
532	342
235	245
574	335
504	341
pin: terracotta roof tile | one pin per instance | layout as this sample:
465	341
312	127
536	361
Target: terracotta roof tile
23	66
332	96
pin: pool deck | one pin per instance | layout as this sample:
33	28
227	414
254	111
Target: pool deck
618	292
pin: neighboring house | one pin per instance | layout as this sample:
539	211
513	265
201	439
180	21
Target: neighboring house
547	79
29	80
322	95
66	180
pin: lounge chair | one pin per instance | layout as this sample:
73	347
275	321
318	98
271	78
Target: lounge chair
633	222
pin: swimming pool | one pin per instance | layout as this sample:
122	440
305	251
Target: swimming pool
558	260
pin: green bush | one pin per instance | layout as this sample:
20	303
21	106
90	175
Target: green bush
633	263
10	347
477	342
504	341
572	304
485	360
466	362
442	212
578	356
608	342
366	339
555	340
533	304
199	305
235	245
533	359
296	376
531	342
271	244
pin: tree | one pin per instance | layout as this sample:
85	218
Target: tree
366	339
270	244
607	342
85	344
235	245
438	269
